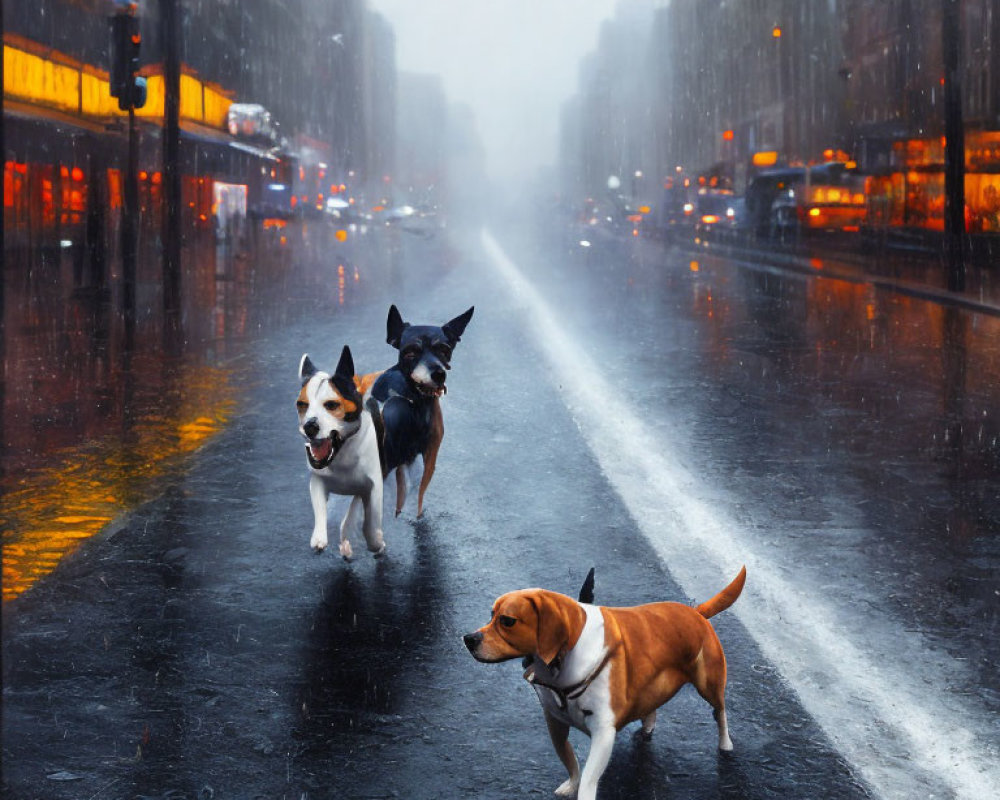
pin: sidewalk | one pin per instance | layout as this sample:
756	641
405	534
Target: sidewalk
917	274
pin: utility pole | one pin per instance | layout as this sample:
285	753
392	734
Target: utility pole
170	30
954	149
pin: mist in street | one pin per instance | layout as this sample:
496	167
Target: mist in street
513	63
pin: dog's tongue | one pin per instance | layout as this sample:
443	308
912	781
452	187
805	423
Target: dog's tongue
322	450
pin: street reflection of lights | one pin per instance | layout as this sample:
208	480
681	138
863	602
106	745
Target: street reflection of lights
52	510
584	243
341	284
357	275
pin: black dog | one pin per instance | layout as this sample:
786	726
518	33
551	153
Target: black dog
409	396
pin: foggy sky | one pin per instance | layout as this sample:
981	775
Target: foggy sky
514	62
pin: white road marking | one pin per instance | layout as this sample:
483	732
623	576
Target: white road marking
898	729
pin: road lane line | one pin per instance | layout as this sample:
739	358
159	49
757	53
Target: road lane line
899	737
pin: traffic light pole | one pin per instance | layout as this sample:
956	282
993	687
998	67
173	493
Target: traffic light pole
130	211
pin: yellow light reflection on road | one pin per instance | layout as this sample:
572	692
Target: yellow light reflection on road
46	514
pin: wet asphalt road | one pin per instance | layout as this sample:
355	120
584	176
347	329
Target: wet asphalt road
200	650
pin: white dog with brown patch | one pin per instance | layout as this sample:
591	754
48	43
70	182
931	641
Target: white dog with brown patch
343	440
597	669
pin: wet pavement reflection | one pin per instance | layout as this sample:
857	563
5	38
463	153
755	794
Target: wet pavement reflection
96	413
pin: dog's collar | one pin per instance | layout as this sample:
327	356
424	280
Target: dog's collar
566	693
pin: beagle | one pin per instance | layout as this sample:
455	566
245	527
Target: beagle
598	669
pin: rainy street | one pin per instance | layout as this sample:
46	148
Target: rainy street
198	647
697	290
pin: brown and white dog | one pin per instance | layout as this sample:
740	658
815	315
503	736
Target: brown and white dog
598	669
342	429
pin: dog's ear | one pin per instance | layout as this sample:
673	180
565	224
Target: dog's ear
394	327
454	329
343	376
306	369
345	366
558	626
587	590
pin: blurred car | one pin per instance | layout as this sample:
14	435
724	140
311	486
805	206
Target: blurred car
827	197
718	211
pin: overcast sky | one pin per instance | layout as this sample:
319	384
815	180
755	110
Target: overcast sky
513	61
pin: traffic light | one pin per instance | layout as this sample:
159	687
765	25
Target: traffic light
125	40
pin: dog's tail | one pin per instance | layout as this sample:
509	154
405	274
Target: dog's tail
725	598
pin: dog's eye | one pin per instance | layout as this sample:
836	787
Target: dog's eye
301	405
507	622
411	352
443	351
331	405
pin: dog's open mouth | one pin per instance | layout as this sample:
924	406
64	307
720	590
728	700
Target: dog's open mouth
431	391
320	452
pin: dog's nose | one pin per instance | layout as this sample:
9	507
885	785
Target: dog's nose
310	427
438	375
473	640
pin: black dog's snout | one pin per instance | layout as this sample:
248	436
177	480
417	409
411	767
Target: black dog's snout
473	640
310	427
438	375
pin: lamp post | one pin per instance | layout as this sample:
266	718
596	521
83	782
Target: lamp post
954	149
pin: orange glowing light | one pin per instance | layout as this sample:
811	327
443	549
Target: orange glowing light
644	209
727	136
765	158
77	174
341	236
340	270
776	32
709	219
143	175
157	178
54	509
694	266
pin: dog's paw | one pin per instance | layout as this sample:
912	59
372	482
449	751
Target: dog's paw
568	788
379	552
318	543
345	550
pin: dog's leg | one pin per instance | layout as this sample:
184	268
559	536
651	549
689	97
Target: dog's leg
318	495
559	733
725	743
431	453
373	519
602	741
649	725
400	488
348	525
710	681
